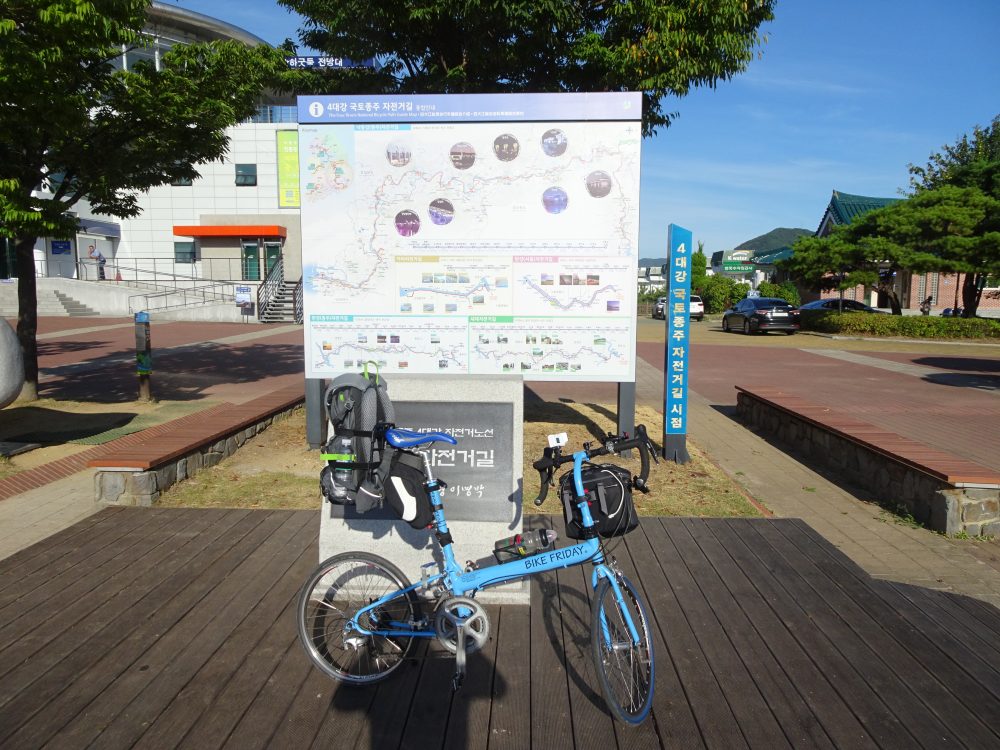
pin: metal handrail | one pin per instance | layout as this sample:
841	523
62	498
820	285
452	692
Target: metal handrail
297	302
267	291
216	291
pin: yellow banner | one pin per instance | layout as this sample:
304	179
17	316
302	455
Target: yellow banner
288	169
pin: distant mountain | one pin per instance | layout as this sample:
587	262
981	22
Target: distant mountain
773	240
654	262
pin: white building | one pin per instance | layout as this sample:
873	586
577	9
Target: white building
227	228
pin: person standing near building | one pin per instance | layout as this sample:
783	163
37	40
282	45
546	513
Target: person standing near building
97	255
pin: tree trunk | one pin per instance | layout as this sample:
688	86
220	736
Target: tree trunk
971	294
893	298
27	315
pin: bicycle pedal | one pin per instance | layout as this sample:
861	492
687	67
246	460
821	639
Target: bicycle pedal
456	682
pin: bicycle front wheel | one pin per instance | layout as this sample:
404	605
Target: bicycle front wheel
331	598
624	664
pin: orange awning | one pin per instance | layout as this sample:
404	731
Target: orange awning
231	230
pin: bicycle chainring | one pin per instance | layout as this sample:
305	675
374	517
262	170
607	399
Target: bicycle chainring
468	612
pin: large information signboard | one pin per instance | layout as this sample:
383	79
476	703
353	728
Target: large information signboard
486	233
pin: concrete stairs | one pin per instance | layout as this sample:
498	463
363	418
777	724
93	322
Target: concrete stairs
282	308
50	303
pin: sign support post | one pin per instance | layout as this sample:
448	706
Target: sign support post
143	355
677	345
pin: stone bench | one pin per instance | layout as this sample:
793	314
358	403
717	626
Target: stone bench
137	473
940	490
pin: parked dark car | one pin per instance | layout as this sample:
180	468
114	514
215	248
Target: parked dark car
761	314
833	305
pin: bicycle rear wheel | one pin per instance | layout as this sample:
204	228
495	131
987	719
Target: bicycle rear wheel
330	599
624	666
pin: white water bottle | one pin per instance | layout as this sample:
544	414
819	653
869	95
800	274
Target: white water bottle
342	475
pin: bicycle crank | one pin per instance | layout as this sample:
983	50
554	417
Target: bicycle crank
462	626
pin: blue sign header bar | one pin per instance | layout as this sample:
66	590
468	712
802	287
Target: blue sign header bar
571	107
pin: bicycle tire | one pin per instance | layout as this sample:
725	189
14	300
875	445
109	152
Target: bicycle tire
336	590
625	669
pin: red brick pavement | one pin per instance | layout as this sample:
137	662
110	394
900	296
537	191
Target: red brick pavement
938	411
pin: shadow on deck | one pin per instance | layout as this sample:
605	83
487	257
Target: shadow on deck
175	628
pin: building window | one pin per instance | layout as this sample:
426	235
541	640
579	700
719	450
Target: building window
184	252
181	182
246	174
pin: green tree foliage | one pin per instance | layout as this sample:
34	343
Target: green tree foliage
951	224
786	290
662	48
721	292
950	165
72	122
699	265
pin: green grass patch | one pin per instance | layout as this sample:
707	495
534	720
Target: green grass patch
269	490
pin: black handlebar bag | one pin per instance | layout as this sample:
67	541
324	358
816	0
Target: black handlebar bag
405	490
608	489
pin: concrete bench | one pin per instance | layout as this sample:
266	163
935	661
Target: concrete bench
940	490
137	473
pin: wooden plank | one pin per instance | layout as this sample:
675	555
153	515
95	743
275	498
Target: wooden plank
549	691
673	715
688	576
76	557
174	719
590	718
908	656
267	708
509	724
819	714
961	701
309	707
135	699
469	720
677	645
68	688
389	714
44	597
427	722
834	648
787	719
26	561
44	647
646	734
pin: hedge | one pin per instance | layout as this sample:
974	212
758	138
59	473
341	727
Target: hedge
907	326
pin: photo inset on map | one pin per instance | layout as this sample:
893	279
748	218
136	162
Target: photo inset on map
398	154
506	147
599	184
555	200
407	223
554	142
441	211
463	155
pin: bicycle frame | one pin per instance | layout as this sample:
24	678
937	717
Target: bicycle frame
462	583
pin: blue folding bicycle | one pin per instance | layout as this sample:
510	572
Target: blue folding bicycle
359	617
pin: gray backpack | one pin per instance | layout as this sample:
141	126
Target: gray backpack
356	454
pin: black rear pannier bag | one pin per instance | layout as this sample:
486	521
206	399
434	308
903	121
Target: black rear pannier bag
405	492
608	489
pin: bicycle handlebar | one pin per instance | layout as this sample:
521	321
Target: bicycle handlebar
553	459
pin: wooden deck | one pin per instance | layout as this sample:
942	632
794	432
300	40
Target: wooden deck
163	628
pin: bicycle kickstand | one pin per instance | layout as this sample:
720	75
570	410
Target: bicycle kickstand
459	677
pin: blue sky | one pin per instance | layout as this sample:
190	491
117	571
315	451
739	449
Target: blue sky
844	96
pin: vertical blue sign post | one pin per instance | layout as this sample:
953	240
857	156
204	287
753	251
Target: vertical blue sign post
677	345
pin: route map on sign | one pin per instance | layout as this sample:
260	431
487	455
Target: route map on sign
459	246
